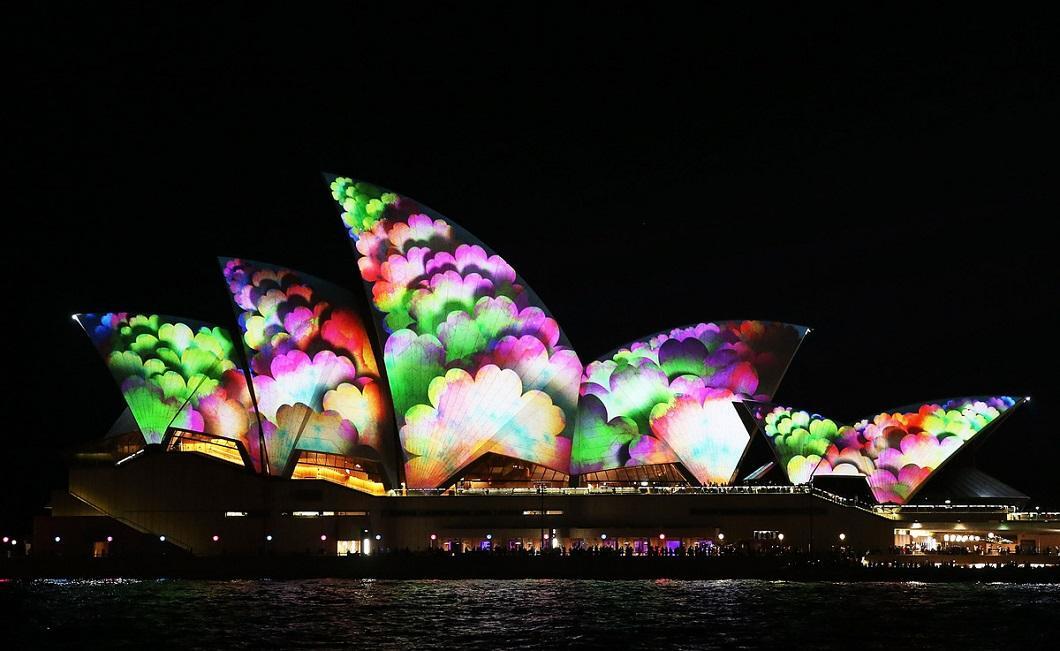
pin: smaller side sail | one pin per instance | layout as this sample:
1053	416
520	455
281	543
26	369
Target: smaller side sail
668	398
176	373
799	439
314	373
896	450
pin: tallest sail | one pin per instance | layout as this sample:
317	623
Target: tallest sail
475	362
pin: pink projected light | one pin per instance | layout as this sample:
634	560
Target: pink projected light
315	376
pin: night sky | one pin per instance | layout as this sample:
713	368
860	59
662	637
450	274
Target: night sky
888	179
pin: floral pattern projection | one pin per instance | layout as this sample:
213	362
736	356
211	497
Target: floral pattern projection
314	374
895	450
176	373
475	362
669	398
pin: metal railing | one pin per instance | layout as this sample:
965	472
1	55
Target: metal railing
615	490
1034	516
984	508
801	489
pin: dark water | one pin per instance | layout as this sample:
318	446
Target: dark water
552	614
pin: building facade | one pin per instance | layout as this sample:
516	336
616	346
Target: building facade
452	413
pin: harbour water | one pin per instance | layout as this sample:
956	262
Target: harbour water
511	614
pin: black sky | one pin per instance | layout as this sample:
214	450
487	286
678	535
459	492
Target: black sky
887	178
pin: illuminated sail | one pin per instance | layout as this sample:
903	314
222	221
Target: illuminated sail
476	364
176	373
895	450
668	398
314	373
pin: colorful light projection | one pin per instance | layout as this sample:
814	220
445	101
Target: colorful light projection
314	374
799	438
895	450
176	373
475	362
668	398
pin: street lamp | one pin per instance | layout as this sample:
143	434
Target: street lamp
215	538
780	537
842	537
721	536
161	539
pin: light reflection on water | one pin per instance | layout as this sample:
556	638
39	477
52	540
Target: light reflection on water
376	614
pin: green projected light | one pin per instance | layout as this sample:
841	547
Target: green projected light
176	373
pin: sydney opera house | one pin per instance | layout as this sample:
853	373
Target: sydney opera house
450	411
